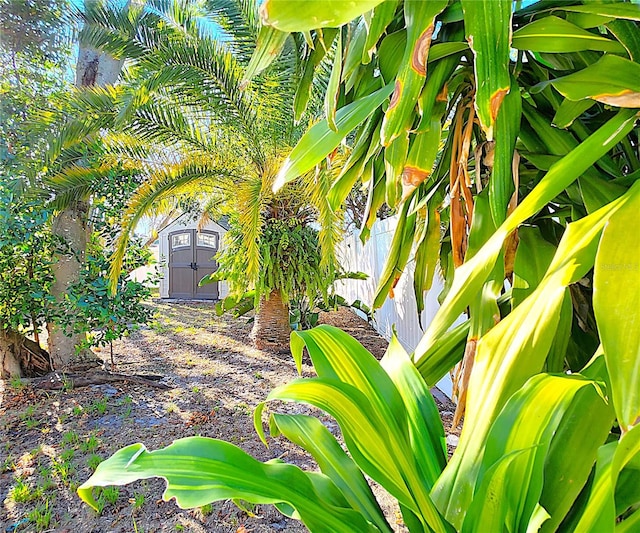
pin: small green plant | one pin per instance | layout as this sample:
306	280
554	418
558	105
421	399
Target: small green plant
31	423
67	454
46	478
100	406
8	464
90	444
21	492
138	500
70	437
195	389
77	410
258	375
63	469
108	495
179	527
28	417
16	383
93	461
126	400
207	509
41	516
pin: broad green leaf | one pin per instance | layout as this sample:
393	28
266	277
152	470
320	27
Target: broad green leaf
375	199
353	56
320	140
492	501
364	395
501	184
616	301
550	401
426	434
397	258
630	524
294	16
488	29
431	96
570	110
599	513
200	470
597	83
354	168
533	258
389	58
381	16
420	21
556	35
426	255
627	33
311	435
333	87
395	156
588	20
375	442
444	355
422	157
470	277
630	11
321	43
441	50
572	454
269	45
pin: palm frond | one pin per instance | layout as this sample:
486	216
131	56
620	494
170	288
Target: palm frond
73	184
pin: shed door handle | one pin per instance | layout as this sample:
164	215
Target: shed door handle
194	266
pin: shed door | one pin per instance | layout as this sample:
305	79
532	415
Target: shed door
190	259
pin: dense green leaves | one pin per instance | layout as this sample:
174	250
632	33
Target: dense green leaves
616	296
321	140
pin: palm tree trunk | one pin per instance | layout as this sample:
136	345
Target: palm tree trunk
271	328
94	68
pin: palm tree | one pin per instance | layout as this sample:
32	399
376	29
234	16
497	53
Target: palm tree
213	135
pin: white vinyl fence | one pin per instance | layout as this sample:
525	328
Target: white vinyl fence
399	311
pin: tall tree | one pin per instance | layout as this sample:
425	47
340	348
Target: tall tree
94	69
35	46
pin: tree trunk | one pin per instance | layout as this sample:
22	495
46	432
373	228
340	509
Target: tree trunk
93	69
20	356
71	226
271	328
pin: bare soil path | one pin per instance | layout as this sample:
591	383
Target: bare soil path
50	441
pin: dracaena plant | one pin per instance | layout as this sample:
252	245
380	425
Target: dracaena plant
504	135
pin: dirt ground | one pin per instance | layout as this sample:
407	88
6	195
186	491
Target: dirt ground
51	441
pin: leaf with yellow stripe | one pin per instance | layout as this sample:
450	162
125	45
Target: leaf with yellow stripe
555	35
488	29
420	21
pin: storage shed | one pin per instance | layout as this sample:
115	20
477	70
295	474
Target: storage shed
186	255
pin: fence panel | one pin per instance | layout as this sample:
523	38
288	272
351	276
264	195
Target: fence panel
399	311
